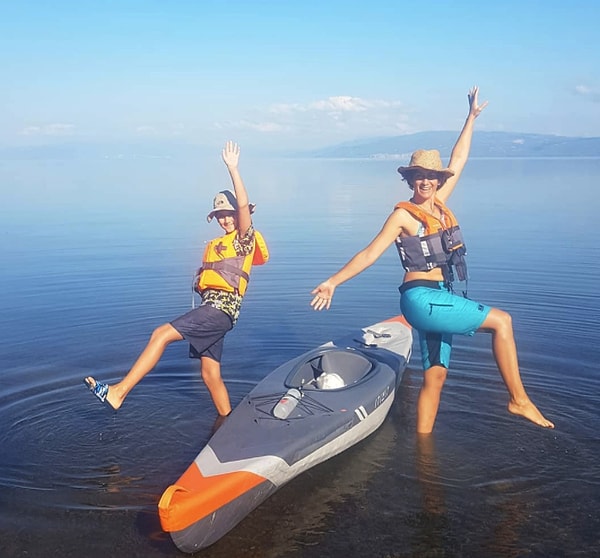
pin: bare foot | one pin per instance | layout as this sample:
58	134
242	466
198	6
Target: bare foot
103	392
529	411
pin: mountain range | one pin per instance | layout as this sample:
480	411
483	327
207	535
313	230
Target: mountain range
484	144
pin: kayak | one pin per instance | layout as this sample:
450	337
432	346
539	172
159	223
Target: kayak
304	412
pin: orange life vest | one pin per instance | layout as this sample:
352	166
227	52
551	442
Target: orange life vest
223	269
439	245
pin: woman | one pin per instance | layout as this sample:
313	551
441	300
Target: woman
430	245
221	282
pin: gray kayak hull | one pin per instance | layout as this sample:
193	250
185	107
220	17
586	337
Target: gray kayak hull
254	453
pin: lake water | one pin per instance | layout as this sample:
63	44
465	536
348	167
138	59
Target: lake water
97	253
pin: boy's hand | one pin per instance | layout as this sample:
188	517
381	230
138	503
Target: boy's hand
231	154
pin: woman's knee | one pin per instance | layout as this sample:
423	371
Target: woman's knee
498	320
435	376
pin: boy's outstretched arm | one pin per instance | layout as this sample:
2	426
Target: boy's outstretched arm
231	157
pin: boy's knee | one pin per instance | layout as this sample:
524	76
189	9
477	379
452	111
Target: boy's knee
210	372
162	333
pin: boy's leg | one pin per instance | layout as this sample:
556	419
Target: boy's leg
211	374
160	338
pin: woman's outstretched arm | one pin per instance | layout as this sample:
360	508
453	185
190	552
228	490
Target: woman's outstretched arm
460	152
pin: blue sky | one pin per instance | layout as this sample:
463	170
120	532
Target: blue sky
292	74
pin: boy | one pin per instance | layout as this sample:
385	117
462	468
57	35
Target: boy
222	282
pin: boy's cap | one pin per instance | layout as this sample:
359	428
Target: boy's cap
225	201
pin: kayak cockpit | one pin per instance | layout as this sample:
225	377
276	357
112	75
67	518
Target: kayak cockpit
330	368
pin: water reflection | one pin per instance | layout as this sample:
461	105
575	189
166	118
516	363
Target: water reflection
502	510
428	475
486	485
108	478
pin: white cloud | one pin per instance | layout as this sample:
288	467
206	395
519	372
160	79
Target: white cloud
337	104
287	108
342	103
588	92
147	130
49	130
329	119
265	127
152	130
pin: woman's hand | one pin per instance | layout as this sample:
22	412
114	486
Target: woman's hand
323	295
474	107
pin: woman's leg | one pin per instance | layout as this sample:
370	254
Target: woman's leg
429	398
211	374
160	338
499	323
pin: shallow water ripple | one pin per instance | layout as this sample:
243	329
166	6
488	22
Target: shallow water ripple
83	288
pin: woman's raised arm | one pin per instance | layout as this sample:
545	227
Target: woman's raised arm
462	147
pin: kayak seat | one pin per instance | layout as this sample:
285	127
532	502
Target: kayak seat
349	365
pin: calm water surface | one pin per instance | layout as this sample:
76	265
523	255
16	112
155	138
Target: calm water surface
98	253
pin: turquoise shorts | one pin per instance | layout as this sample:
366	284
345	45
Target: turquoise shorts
437	314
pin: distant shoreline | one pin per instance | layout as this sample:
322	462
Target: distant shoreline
485	145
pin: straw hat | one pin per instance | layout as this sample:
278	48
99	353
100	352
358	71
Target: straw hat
225	201
427	160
